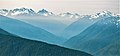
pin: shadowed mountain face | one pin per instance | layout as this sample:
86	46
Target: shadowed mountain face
28	31
112	49
11	45
95	38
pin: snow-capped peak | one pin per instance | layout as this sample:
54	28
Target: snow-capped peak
69	15
21	11
76	15
101	15
104	13
44	12
65	14
4	12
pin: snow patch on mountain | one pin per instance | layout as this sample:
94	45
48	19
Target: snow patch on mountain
102	15
119	20
4	12
44	12
21	11
69	15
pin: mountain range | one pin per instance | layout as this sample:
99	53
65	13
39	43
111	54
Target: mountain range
96	34
12	45
30	12
102	34
28	31
42	19
61	25
43	12
84	22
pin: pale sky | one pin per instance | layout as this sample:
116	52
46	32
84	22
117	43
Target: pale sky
60	6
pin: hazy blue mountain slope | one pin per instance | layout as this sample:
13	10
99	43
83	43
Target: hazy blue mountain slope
11	45
48	23
28	31
97	36
77	27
